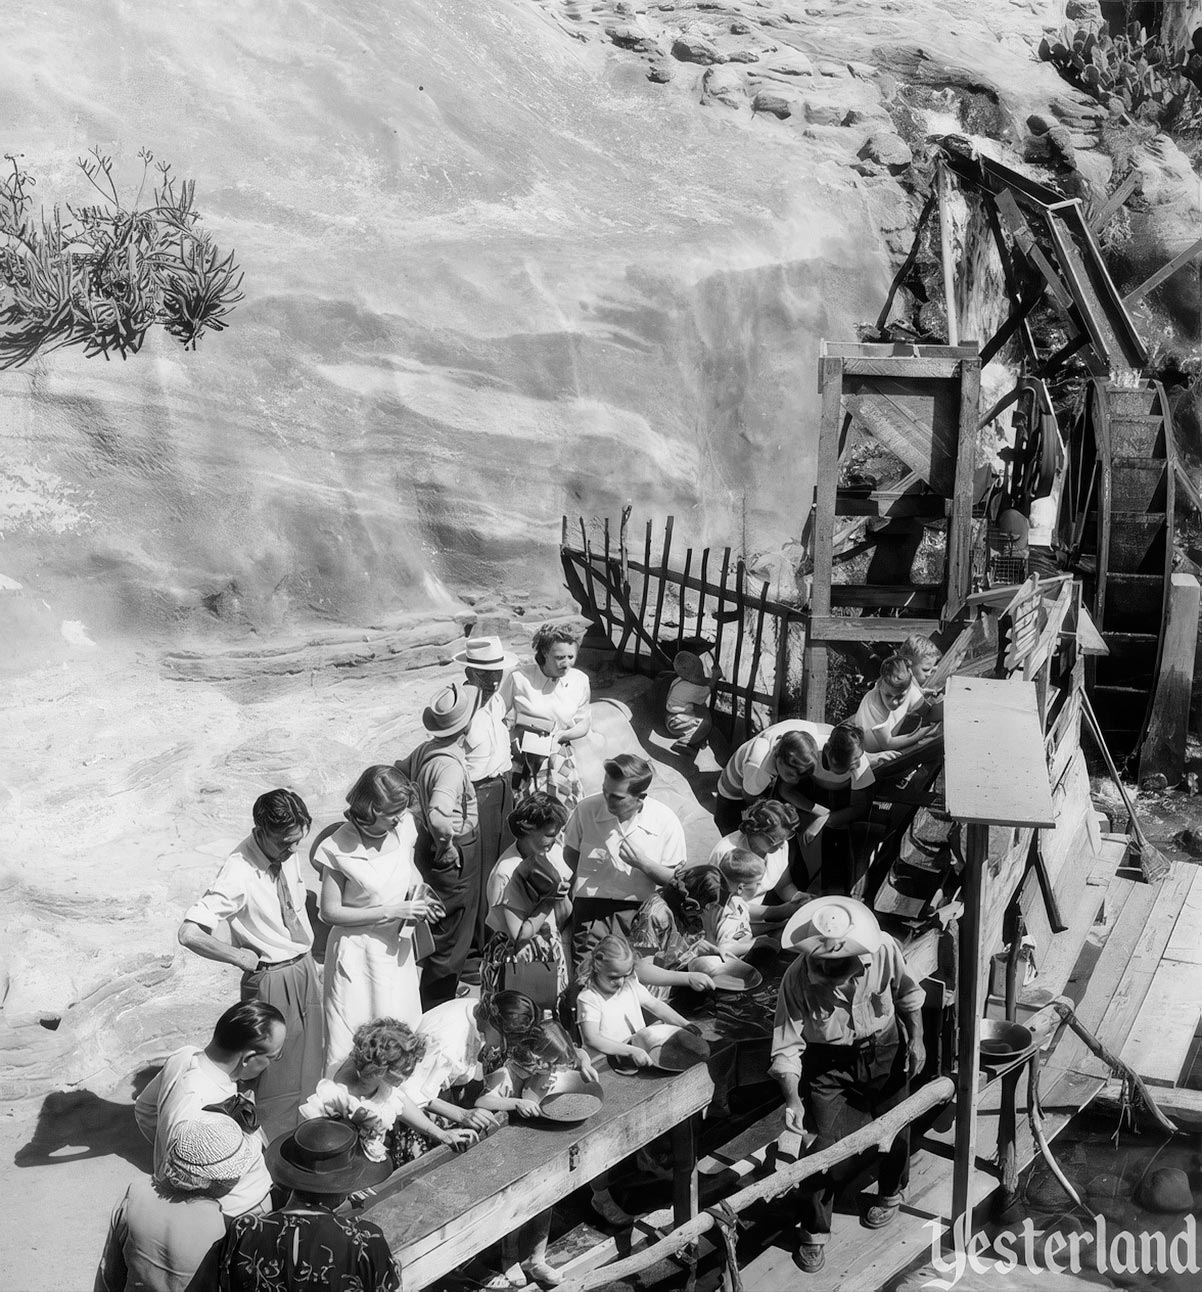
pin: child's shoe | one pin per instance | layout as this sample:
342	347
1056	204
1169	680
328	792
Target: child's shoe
606	1206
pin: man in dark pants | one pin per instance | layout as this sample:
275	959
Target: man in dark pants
447	854
848	1034
260	896
489	760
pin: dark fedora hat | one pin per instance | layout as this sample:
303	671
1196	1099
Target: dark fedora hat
323	1156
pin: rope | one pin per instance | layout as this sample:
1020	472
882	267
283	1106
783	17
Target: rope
727	1220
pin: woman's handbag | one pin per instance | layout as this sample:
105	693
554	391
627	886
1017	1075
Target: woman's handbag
537	979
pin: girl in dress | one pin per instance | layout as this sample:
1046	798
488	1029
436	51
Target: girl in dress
611	1004
675	925
528	901
367	1091
371	896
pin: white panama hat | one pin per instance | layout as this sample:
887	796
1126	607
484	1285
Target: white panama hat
829	928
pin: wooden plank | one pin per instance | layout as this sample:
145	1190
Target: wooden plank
958	561
642	615
909	438
1185	942
479	1196
1163	750
900	366
993	746
872	596
855	352
970	1005
822	528
891	503
757	643
943	187
1025	241
1089	639
657	622
1165	271
1114	202
683	615
1164	1030
609	608
868	628
720	611
736	680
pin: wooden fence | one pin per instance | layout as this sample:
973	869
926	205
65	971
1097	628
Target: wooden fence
647	610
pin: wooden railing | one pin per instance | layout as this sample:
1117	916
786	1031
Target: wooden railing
715	601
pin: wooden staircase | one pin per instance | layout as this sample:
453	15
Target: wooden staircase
1118	506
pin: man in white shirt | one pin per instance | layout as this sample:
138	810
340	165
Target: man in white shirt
260	896
489	759
620	846
247	1040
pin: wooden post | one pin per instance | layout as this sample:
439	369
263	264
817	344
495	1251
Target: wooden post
1163	749
945	250
683	1138
995	774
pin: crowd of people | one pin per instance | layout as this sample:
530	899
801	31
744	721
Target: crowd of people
586	912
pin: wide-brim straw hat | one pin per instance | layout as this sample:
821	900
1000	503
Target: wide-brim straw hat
691	667
671	1048
207	1148
485	653
451	710
323	1156
829	928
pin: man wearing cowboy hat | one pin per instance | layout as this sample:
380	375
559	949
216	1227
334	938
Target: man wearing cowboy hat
305	1244
447	853
837	1039
487	755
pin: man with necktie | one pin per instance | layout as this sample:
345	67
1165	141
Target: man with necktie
260	896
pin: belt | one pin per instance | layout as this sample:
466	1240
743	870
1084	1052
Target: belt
279	964
888	1032
488	780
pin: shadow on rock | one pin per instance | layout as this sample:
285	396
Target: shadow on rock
74	1125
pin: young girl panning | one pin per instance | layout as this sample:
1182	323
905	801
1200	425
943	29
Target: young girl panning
677	924
611	1003
367	1090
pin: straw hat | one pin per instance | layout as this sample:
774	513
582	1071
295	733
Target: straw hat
485	653
829	928
451	710
692	668
671	1048
208	1148
323	1156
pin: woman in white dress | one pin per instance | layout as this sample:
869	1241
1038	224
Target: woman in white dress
371	894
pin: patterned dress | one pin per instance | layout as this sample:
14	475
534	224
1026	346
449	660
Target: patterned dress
292	1251
657	935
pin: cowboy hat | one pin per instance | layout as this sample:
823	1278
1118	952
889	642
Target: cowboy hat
671	1048
206	1149
451	710
830	928
323	1156
485	653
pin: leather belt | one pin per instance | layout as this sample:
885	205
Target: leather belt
279	964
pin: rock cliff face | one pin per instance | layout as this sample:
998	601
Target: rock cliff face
503	260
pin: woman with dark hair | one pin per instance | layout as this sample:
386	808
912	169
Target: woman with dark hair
767	829
371	896
528	906
550	701
674	926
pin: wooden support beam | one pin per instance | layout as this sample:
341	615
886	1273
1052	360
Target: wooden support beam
943	184
1163	750
970	1004
1165	271
1115	202
1025	241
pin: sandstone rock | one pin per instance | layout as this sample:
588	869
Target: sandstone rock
831	69
776	105
743	56
1060	147
862	116
725	85
660	73
627	36
696	49
795	63
740	29
1096	169
820	113
1082	11
1167	1190
1038	124
887	149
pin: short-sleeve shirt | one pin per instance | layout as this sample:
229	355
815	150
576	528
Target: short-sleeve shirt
822	781
443	784
486	745
503	891
244	897
619	1016
682	694
751	769
186	1084
562	700
453	1046
156	1241
879	723
776	863
596	834
734	924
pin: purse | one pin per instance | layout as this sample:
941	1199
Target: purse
534	978
423	940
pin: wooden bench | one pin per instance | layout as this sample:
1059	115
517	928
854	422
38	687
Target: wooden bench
447	1216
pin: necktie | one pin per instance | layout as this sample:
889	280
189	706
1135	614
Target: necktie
292	921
